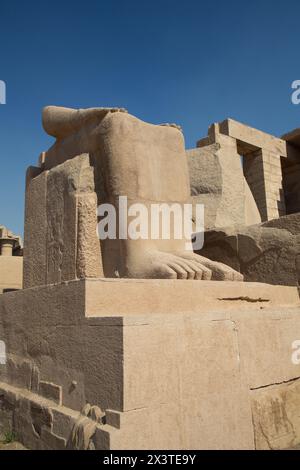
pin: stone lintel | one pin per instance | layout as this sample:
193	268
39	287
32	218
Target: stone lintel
250	139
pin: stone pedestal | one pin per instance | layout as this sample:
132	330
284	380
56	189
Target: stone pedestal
172	364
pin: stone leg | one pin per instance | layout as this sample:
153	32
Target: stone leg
148	164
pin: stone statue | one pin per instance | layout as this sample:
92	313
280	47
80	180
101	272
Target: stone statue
147	164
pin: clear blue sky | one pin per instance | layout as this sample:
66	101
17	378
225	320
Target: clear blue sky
191	62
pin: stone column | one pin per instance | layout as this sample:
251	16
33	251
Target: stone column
262	170
7	245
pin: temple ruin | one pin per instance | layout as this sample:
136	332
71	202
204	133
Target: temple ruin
11	260
143	344
252	211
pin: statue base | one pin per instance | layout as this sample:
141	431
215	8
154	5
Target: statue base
171	364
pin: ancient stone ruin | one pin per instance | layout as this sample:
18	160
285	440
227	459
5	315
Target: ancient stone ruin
124	343
252	212
11	261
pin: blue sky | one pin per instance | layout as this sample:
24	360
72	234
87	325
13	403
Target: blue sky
191	62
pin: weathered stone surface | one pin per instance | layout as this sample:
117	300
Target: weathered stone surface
107	337
276	419
291	182
293	137
63	421
11	260
67	183
217	181
85	428
51	440
269	252
157	296
248	137
149	364
11	272
89	259
74	125
62	244
19	371
146	163
262	154
7	407
35	231
10	244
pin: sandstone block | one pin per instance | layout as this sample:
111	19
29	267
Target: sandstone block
276	418
216	342
268	252
217	181
35	232
50	391
62	243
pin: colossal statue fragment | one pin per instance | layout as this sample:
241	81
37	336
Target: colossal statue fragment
128	157
95	363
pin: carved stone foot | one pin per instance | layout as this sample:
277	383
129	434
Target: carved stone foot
181	265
